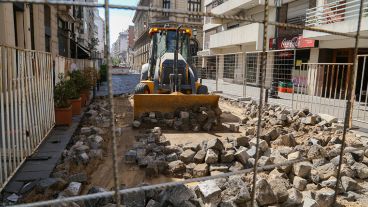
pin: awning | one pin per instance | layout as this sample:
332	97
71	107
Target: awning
83	52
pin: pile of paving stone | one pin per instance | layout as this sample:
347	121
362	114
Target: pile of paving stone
196	118
285	136
85	147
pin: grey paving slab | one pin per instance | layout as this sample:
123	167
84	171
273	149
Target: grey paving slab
14	187
41	164
30	176
36	167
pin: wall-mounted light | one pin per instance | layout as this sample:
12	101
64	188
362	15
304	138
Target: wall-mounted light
195	33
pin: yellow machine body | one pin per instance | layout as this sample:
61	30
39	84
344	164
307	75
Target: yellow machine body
159	98
170	102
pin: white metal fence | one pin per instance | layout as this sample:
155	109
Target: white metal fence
65	65
26	105
322	88
360	112
239	75
336	11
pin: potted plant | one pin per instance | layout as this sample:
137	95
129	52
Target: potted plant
74	97
63	108
82	85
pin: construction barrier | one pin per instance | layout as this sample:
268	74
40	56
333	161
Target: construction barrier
26	106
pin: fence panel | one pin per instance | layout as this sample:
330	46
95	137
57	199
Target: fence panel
322	87
26	105
64	65
360	110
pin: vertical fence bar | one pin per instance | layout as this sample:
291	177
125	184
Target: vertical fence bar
217	72
11	102
22	106
336	71
111	100
361	88
263	70
348	103
341	88
3	174
16	112
366	91
245	75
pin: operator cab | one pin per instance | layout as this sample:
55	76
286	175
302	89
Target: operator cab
163	41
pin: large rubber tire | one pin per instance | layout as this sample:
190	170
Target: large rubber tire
142	88
202	90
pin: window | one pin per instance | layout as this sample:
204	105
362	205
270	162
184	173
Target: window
229	66
166	5
47	22
195	6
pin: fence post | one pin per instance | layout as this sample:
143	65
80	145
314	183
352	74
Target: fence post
217	71
95	82
244	75
292	80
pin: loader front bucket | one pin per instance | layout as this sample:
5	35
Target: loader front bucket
170	102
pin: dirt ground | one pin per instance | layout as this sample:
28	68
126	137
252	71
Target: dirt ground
100	172
132	175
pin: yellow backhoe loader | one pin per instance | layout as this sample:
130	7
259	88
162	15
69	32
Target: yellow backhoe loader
169	81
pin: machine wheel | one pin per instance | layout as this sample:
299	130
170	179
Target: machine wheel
202	90
141	88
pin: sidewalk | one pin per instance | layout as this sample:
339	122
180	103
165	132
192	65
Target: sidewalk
42	162
315	104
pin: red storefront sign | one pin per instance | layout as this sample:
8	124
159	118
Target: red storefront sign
292	43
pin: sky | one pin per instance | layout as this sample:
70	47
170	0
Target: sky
119	19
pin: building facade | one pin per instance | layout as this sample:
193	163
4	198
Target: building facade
34	26
130	46
61	30
120	48
100	30
231	47
143	21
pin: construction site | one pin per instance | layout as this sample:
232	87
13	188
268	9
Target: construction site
190	130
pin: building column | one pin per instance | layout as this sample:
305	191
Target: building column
7	24
39	27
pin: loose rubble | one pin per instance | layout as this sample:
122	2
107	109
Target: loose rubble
195	119
285	136
84	151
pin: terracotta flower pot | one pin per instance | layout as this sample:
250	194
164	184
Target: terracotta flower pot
63	116
85	97
76	105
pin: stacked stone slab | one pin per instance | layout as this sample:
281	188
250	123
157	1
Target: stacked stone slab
196	118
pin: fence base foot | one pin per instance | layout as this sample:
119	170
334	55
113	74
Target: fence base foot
244	99
216	92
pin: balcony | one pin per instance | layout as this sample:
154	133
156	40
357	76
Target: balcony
336	16
231	7
236	36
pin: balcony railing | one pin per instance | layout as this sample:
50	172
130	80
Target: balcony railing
216	3
336	11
